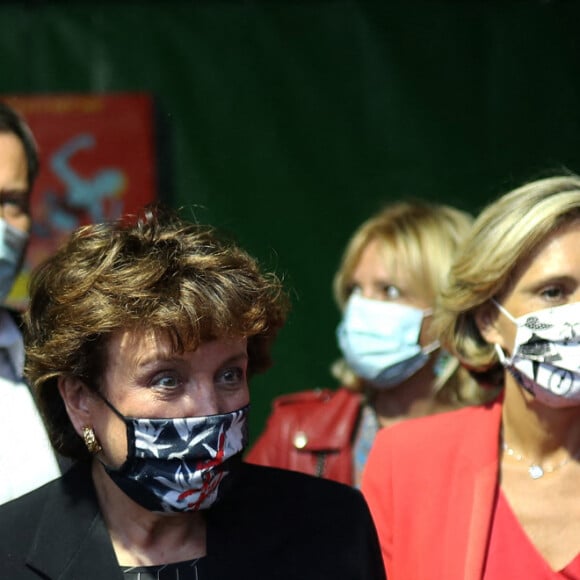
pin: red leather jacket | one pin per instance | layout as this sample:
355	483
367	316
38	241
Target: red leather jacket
311	432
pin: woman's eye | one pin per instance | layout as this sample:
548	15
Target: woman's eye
391	292
232	376
166	381
553	293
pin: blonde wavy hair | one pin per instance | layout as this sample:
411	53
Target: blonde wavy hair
503	236
424	237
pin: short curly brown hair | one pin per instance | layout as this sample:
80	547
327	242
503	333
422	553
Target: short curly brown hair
156	272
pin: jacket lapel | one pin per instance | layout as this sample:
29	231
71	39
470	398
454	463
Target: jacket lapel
473	489
71	540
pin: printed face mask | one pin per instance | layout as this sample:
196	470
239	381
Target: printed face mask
546	354
180	465
12	245
380	340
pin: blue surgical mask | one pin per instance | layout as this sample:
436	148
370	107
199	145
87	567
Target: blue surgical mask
380	340
12	246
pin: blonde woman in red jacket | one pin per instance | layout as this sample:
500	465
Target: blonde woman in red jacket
493	492
393	368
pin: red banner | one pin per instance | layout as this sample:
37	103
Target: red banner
98	159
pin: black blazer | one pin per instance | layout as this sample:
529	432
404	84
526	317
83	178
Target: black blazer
274	525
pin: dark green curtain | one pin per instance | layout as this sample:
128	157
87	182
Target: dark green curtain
288	123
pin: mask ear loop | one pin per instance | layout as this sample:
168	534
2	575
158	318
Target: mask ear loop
503	310
127	421
110	405
503	359
433	345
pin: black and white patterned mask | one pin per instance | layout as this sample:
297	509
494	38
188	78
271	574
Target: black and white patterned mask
179	465
546	354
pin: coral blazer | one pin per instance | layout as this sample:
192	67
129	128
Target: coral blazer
431	485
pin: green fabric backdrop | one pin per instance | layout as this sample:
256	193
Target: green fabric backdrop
291	122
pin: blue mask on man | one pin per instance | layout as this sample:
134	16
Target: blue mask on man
12	246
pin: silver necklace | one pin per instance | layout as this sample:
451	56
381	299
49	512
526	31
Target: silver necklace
535	469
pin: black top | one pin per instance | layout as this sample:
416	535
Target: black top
188	570
272	525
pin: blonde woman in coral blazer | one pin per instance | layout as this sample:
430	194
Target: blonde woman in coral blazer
494	492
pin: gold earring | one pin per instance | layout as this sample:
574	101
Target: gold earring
91	440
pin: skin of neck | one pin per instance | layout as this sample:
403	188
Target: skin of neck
144	538
414	397
536	430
